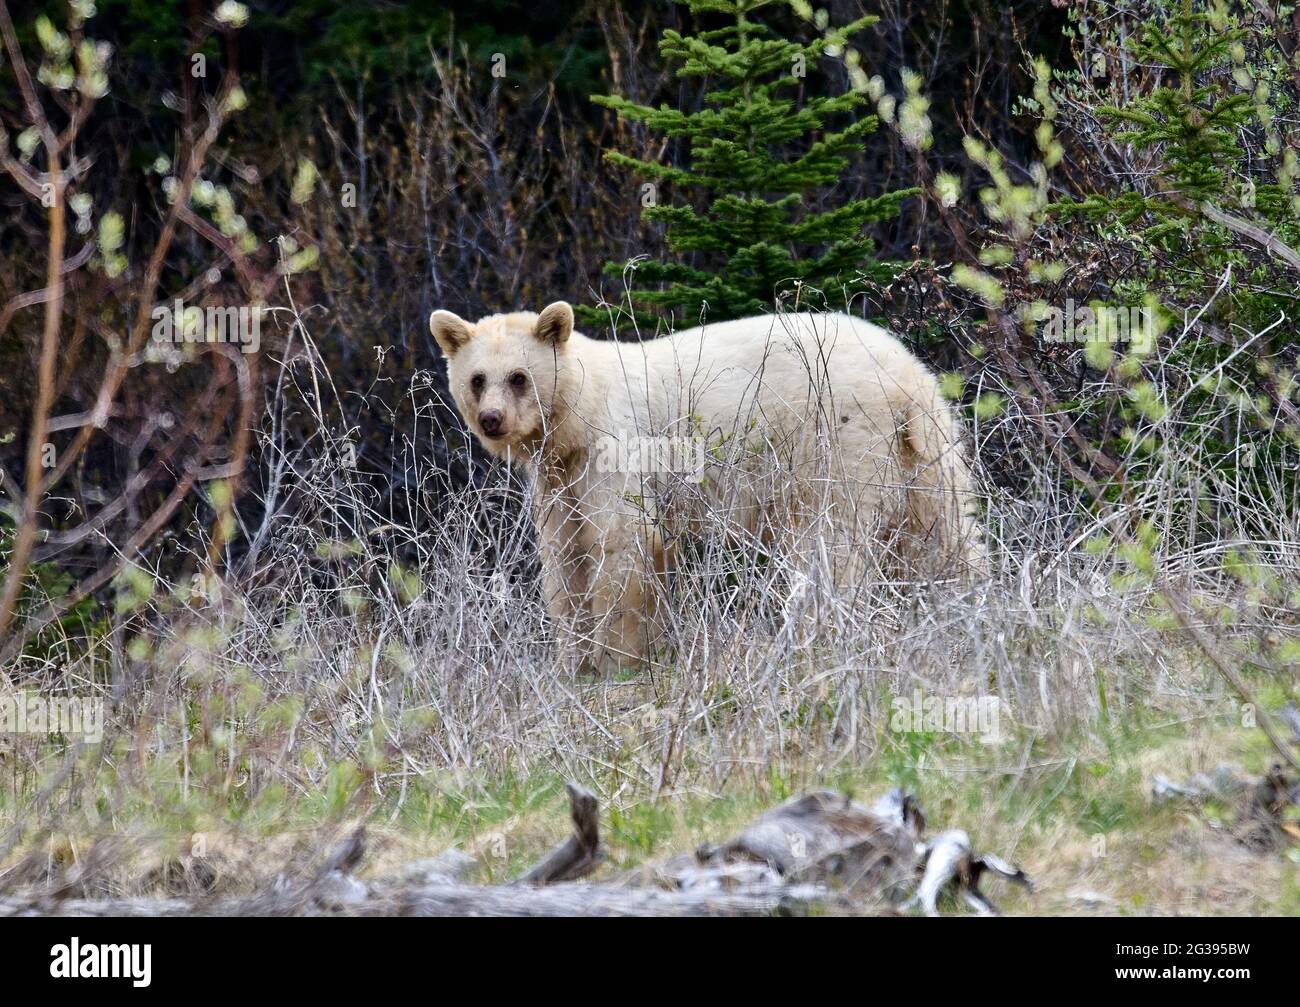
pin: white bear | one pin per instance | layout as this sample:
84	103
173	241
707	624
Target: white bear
779	425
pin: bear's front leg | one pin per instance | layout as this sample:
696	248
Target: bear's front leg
566	581
625	554
620	602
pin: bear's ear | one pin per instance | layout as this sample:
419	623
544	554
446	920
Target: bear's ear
451	331
555	323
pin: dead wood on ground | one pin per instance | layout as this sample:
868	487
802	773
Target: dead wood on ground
821	853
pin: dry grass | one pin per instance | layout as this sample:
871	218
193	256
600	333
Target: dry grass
397	668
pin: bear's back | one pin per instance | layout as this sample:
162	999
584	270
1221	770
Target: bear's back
778	364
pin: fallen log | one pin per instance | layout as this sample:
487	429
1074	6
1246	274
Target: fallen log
578	855
819	853
1262	809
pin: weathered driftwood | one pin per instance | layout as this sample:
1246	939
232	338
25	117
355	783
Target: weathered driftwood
578	855
819	853
822	839
867	857
572	899
1262	806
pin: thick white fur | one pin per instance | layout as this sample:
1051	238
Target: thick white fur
807	422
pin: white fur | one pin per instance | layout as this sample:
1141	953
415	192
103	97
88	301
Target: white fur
807	421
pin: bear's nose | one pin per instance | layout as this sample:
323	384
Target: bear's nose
490	421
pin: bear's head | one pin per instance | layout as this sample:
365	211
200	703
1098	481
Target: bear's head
505	371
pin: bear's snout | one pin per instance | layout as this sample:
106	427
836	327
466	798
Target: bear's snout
490	420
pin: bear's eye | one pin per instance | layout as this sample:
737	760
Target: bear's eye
476	383
518	380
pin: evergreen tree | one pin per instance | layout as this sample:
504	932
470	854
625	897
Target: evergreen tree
1190	122
757	153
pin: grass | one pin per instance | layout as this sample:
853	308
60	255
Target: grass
1082	822
398	669
1073	807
